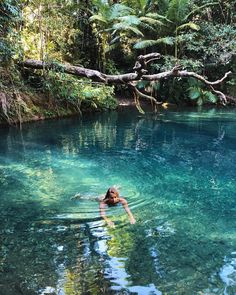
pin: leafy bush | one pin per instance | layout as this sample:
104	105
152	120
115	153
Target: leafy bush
68	89
197	93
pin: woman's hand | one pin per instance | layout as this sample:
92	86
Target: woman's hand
132	220
110	224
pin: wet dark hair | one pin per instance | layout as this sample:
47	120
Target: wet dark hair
109	191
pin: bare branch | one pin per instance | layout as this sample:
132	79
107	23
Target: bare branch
140	94
220	94
175	72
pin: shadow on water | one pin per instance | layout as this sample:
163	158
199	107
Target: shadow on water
177	171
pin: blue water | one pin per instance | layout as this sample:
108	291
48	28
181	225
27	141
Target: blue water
176	169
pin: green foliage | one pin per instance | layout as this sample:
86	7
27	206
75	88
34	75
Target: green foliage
216	42
67	89
118	10
197	93
49	30
189	25
127	27
178	10
108	35
148	43
9	18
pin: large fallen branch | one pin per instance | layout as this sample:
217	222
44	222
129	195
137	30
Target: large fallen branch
130	79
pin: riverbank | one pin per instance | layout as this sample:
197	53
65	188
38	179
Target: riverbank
18	106
30	96
28	105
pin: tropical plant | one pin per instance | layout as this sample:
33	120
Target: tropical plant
122	25
175	17
197	93
9	18
78	93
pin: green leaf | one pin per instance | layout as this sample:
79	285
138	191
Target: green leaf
127	27
114	40
148	27
210	97
166	40
98	17
142	84
199	101
194	93
144	44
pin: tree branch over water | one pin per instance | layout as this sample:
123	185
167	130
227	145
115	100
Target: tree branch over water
130	79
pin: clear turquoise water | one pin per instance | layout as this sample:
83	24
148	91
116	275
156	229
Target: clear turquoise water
177	171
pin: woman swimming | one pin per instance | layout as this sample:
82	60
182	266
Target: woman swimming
113	198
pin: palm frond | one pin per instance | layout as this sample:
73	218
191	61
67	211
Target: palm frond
158	16
151	21
189	25
97	17
148	43
144	5
130	19
118	10
178	9
166	40
145	43
147	27
127	27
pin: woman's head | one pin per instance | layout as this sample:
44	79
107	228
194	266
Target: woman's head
112	195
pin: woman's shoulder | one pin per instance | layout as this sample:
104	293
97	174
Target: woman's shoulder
123	201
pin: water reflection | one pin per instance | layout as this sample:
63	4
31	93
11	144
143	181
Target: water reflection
177	171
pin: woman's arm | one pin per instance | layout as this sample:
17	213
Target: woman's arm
102	208
126	207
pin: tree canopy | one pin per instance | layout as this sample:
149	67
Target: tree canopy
108	37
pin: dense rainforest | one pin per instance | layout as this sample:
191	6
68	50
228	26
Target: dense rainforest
61	57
